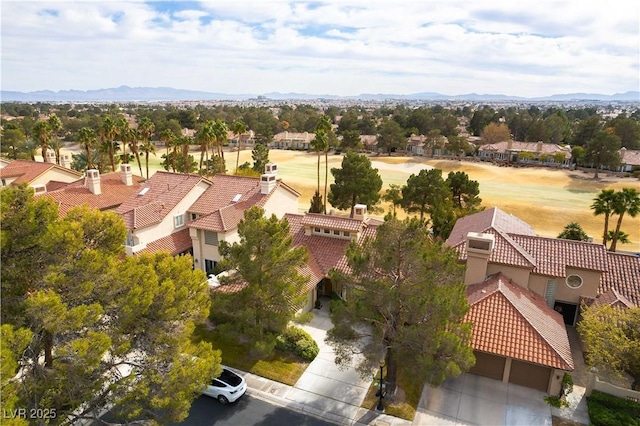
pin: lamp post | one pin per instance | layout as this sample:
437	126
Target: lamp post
380	394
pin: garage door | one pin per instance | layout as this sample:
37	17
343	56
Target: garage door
488	365
530	375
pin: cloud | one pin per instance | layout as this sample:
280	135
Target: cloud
336	47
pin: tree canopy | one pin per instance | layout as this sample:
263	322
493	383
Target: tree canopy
602	151
405	302
100	329
573	231
356	182
265	272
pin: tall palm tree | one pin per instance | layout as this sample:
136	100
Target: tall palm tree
625	201
239	128
87	137
220	130
167	137
124	133
42	132
146	129
603	204
108	132
55	125
317	144
205	137
325	125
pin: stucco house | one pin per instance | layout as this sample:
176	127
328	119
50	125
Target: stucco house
511	150
41	176
629	159
215	215
544	280
101	192
292	140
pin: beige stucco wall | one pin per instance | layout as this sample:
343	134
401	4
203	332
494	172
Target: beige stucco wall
519	276
281	202
556	381
202	251
564	293
166	227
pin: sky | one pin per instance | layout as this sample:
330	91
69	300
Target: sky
527	48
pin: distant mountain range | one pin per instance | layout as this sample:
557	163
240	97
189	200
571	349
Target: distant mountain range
131	94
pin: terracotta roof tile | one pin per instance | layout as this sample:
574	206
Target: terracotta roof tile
331	222
511	321
623	276
113	193
505	252
27	171
165	191
175	243
488	219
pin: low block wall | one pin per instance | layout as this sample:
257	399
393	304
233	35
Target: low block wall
599	385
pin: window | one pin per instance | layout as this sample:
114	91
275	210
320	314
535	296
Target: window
550	293
178	221
209	266
130	241
327	231
316	230
194	216
347	234
574	281
211	238
336	232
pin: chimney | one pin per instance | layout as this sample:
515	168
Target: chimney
65	161
93	181
539	146
510	145
479	249
50	157
126	175
360	212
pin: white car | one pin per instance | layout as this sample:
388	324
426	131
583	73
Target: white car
228	387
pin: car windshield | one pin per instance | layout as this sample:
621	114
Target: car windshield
230	377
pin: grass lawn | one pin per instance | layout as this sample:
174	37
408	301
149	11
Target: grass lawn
283	368
407	397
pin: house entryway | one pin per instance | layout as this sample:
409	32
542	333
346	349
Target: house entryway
324	288
569	312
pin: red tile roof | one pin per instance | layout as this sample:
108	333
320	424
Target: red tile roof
623	276
505	251
28	171
511	321
175	243
220	212
331	222
488	219
612	298
113	193
165	191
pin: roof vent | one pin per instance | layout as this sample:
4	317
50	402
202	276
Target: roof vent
236	198
143	191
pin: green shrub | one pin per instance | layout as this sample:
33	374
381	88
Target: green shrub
567	384
299	342
555	401
609	410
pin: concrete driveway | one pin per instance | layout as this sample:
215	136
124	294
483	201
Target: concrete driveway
477	400
323	385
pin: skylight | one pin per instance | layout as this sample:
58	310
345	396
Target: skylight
236	198
143	191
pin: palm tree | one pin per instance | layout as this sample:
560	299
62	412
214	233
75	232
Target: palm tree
318	144
239	128
324	125
108	132
55	125
41	131
625	201
603	204
146	129
205	136
168	138
220	130
621	236
87	137
124	132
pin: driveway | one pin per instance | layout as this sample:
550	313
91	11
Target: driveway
323	385
475	400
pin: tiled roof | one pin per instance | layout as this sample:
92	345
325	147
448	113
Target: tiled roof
166	190
485	220
327	251
504	146
505	252
219	212
630	156
623	276
175	243
612	298
113	193
28	171
331	222
283	136
511	321
553	255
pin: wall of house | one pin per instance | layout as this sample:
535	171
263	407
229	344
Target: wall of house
54	175
555	384
166	226
589	288
281	202
519	276
202	251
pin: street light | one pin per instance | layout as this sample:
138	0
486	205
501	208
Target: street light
380	393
